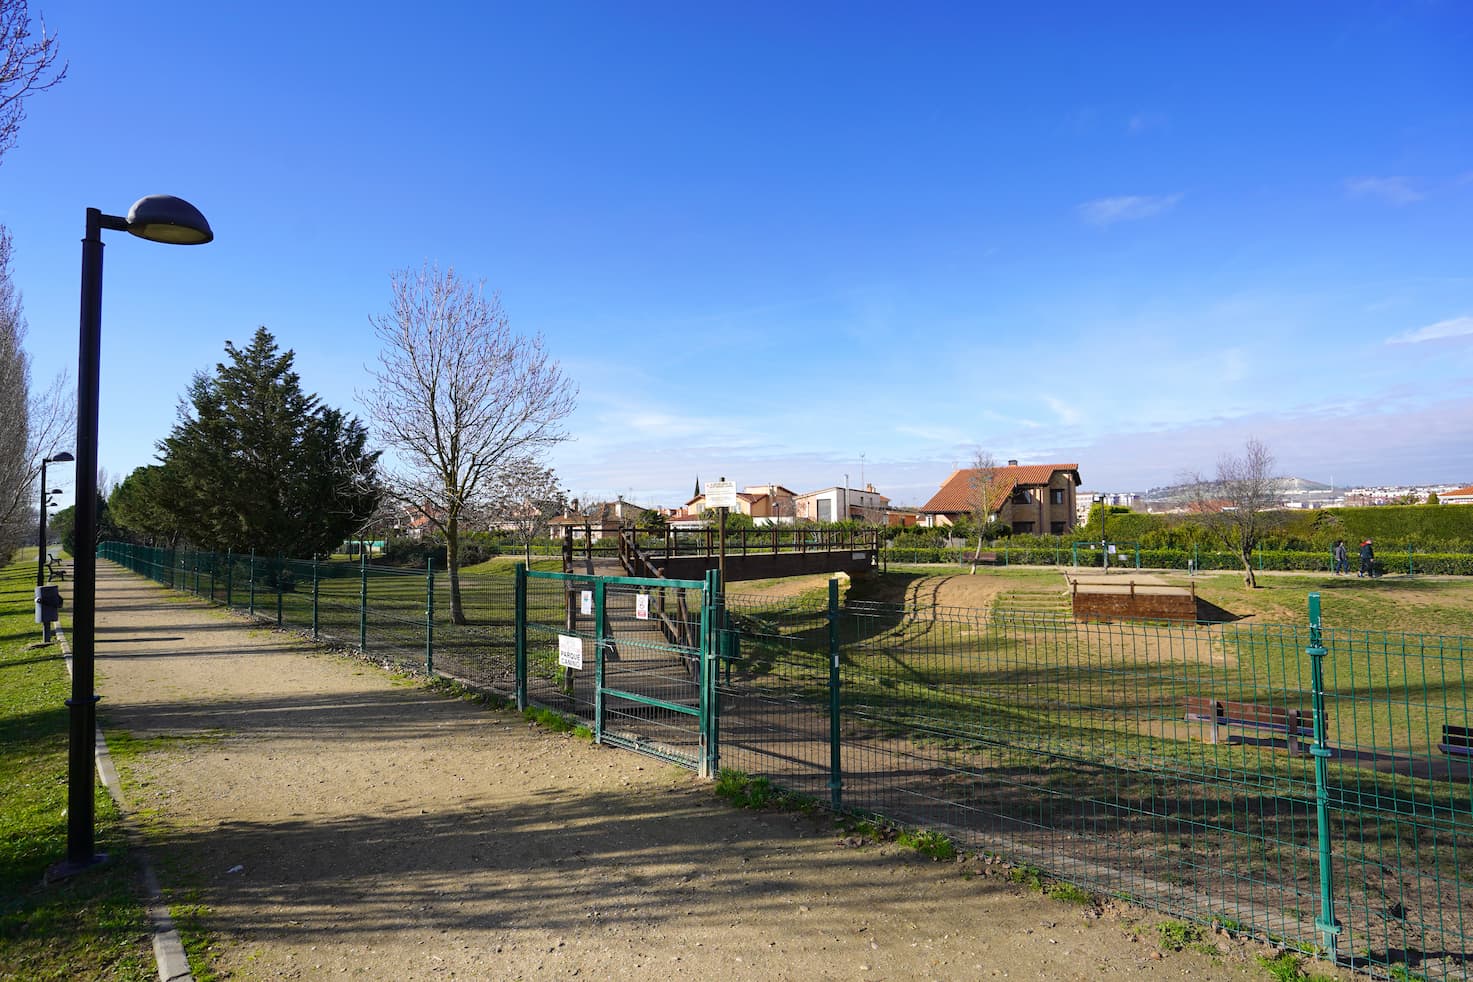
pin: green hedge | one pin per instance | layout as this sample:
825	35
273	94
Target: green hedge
1449	564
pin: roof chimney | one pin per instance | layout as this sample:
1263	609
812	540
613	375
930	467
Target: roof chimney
1012	463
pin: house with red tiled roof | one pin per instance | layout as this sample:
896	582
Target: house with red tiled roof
1033	499
1462	496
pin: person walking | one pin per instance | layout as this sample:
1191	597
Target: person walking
1341	556
1367	560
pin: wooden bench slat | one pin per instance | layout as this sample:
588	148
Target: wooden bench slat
1457	741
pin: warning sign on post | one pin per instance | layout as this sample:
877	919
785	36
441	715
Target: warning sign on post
569	651
721	494
642	606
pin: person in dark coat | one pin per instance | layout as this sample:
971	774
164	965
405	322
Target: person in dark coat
1367	560
1341	557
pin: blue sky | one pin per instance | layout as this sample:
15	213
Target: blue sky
790	242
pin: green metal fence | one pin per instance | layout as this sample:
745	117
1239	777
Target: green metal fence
1306	784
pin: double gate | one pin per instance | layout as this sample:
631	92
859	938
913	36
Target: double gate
632	658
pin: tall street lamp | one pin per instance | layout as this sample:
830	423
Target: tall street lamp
41	533
159	218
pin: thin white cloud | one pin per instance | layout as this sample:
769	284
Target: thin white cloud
1456	327
1067	413
1127	208
1393	190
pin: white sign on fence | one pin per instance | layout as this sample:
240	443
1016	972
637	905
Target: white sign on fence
569	651
721	494
642	606
585	602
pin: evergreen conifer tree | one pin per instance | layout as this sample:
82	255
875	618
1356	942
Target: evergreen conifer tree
256	463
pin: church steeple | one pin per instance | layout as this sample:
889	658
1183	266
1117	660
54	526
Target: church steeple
697	492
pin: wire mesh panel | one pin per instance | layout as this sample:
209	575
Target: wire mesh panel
1400	789
774	692
640	643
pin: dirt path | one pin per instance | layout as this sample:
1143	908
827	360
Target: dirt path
336	824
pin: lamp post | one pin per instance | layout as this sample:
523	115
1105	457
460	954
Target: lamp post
41	532
158	218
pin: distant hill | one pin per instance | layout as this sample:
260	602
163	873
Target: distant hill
1183	492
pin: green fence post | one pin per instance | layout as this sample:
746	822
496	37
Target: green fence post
600	597
429	615
1326	922
1137	555
214	562
1409	559
196	572
280	574
706	765
363	603
1074	551
722	651
314	598
251	606
229	577
520	636
836	773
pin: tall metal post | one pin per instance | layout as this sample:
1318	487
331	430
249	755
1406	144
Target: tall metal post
429	615
1326	922
836	770
600	637
314	598
280	588
229	578
521	636
363	603
251	571
705	765
82	706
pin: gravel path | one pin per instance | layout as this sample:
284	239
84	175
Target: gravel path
336	823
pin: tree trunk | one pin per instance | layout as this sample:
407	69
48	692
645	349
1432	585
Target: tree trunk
1249	580
452	563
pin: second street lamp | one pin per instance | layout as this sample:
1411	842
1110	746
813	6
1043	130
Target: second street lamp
159	218
41	535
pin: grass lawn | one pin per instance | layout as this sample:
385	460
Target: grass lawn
91	926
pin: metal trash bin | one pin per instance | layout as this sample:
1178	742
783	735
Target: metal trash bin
48	608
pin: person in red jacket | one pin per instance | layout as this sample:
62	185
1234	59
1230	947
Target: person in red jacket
1367	560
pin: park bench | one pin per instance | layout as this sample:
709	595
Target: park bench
1217	713
54	569
1457	741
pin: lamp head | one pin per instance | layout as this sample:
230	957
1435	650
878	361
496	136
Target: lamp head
60	458
165	218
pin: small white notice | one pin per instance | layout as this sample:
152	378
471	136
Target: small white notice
585	602
569	651
1112	550
642	606
721	494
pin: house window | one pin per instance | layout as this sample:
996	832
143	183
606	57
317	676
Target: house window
1056	496
1020	497
1023	528
1057	528
825	510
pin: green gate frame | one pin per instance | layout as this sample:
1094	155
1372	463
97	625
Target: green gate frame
707	713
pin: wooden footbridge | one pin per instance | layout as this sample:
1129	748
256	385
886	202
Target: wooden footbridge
749	554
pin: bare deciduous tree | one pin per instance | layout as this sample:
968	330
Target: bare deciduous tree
1236	506
981	488
27	66
32	425
461	397
523	497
